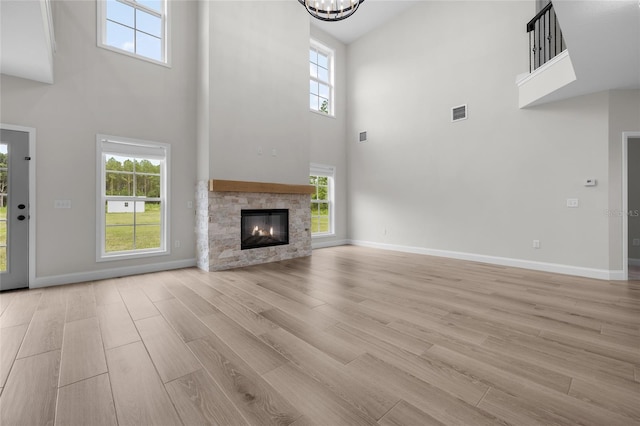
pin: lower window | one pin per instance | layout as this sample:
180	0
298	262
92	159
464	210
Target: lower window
132	202
322	204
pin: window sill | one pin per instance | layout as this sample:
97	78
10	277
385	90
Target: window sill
322	114
135	56
132	255
325	235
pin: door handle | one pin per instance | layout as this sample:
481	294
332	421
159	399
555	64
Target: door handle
21	217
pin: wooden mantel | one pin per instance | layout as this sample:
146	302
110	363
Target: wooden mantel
218	185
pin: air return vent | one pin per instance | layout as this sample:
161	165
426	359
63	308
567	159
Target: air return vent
459	113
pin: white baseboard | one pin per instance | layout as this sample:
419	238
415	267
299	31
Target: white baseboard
601	274
331	243
103	274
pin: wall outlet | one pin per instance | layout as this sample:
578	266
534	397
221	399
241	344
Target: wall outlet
636	242
536	244
62	204
176	244
572	202
189	204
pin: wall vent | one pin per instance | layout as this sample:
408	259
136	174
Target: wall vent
362	137
459	113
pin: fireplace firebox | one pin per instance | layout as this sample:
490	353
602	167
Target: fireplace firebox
264	228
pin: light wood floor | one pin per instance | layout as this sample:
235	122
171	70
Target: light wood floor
349	336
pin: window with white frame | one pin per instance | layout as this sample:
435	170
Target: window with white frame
322	200
321	78
132	202
135	27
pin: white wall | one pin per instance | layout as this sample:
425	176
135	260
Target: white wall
258	84
488	185
99	91
327	137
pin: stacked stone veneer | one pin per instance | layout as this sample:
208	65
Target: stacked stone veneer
218	233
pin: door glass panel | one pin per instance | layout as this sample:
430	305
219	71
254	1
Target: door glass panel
4	188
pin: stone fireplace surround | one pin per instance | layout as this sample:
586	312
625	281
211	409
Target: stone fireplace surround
218	207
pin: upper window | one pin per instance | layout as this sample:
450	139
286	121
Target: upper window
132	198
320	78
322	204
134	27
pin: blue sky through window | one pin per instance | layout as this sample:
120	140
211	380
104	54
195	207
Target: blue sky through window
134	30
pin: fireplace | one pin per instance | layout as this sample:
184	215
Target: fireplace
264	228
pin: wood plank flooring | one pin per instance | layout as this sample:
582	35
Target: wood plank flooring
349	336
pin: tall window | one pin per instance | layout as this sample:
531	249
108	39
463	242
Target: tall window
320	78
132	201
134	27
322	204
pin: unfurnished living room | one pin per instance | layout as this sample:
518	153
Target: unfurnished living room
332	212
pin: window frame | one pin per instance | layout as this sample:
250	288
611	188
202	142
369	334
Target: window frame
330	53
165	27
328	171
114	145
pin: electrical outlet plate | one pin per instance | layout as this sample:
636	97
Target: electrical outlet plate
572	203
62	204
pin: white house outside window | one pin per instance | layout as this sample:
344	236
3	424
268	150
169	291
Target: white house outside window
321	78
135	27
132	207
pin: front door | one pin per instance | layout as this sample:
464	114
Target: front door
14	209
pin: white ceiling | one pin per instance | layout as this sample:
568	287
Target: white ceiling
371	14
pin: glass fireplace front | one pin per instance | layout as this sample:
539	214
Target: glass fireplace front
264	228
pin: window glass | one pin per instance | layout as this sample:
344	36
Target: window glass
152	4
120	36
320	79
148	46
149	24
119	12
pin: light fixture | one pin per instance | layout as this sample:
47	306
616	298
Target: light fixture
331	10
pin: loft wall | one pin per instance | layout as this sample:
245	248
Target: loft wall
100	91
258	114
486	186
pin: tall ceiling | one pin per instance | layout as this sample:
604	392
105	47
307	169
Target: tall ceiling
371	14
603	39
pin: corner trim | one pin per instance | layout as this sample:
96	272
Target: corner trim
103	274
600	274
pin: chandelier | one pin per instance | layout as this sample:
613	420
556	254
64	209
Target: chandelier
331	10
